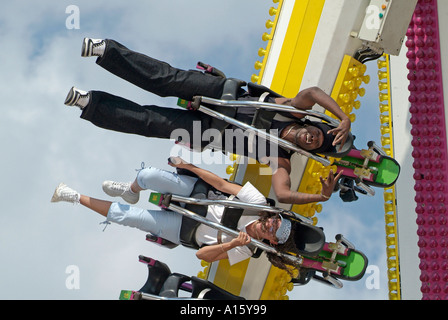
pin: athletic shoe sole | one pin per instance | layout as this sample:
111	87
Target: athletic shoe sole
55	197
72	97
87	48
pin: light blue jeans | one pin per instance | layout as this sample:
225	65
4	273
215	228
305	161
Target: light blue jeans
165	181
162	223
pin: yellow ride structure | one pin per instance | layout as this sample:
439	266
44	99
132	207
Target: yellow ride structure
319	43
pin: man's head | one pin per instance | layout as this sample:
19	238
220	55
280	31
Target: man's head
313	136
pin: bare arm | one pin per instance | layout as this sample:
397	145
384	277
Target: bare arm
219	251
281	183
209	177
307	98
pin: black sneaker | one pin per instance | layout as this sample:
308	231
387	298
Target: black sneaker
77	98
92	47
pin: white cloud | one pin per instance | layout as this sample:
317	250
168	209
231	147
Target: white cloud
44	142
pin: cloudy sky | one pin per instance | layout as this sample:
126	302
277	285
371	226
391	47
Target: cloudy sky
44	142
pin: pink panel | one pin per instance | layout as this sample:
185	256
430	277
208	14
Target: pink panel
430	148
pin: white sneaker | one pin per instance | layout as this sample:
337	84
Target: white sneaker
64	193
77	98
93	47
121	189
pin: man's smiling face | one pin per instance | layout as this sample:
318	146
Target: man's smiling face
309	138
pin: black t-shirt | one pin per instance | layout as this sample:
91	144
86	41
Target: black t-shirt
239	142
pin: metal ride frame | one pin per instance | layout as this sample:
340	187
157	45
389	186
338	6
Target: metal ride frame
323	158
197	105
166	203
166	199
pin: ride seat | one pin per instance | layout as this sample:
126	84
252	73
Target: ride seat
189	226
161	282
203	289
172	284
231	90
158	272
309	239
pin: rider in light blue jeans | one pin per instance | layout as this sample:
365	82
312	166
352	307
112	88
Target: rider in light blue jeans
167	224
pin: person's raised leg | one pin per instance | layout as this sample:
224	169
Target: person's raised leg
100	206
153	179
165	224
165	181
63	193
151	74
128	191
115	113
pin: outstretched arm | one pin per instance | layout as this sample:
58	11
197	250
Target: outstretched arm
209	177
219	251
281	183
307	98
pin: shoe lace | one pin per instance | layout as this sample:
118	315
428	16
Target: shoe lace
106	223
142	166
120	186
70	195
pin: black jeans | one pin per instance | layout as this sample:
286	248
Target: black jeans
157	76
119	114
